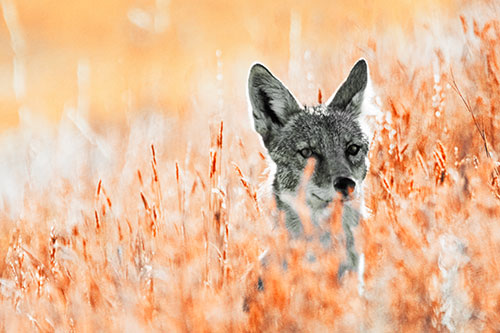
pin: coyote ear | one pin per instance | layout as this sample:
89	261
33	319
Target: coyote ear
272	103
350	94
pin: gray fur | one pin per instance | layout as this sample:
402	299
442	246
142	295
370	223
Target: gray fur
328	130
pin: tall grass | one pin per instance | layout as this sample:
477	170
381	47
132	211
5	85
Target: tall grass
162	224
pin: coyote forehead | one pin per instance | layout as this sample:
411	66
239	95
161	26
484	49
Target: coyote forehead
333	134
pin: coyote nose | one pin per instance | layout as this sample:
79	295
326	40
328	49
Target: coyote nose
344	186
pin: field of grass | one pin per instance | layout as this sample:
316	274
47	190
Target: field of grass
134	195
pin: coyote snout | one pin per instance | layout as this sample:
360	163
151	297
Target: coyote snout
345	186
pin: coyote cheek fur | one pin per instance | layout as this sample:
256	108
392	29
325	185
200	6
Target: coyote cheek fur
332	133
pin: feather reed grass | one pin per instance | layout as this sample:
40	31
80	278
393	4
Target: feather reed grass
174	239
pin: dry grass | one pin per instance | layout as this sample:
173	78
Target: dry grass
160	224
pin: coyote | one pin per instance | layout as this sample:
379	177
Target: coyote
333	134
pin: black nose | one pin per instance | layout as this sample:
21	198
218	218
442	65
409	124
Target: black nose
344	186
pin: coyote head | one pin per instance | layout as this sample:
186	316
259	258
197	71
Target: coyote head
332	133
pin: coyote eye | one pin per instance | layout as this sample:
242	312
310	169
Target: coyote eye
306	152
353	150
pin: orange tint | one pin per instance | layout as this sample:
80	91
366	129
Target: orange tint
142	55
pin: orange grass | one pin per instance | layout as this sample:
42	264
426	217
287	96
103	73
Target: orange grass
178	230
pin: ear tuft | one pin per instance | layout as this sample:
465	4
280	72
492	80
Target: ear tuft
271	102
350	94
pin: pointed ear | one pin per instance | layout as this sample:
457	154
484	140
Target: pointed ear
350	94
272	103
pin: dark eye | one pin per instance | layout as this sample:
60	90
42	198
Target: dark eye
353	150
306	152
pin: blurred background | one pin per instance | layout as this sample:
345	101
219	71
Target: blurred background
125	145
110	59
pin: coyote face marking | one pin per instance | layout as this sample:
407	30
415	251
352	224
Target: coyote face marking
332	133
